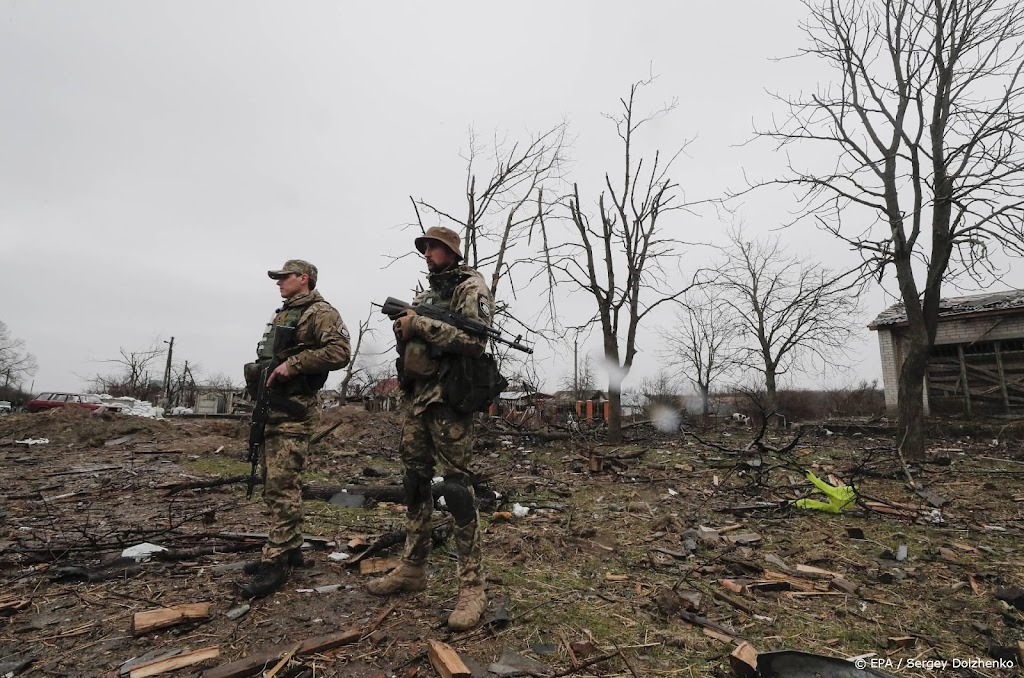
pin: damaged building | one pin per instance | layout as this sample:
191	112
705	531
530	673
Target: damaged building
977	363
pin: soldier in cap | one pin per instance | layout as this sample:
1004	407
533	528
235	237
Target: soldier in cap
319	344
435	436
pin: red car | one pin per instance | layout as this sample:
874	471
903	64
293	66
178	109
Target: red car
45	401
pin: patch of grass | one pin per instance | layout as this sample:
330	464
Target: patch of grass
215	465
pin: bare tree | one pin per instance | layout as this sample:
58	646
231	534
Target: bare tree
351	370
923	124
504	199
792	313
583	381
660	389
15	362
620	260
132	375
703	345
221	383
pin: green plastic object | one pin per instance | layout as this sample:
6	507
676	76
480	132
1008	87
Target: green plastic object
839	497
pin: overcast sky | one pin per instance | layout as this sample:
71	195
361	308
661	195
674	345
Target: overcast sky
156	158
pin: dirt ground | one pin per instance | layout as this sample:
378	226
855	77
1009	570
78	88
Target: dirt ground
651	558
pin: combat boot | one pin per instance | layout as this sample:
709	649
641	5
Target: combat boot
469	609
269	575
292	557
405	577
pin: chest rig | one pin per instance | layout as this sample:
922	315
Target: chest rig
288	317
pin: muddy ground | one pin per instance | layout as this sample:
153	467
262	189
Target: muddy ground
609	574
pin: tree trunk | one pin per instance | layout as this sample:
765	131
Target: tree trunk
614	411
910	409
770	387
705	401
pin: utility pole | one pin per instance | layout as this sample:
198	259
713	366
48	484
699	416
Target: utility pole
167	372
576	367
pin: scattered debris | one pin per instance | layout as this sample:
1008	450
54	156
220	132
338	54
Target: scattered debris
142	552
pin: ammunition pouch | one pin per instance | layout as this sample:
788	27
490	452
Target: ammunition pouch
252	373
419	361
472	384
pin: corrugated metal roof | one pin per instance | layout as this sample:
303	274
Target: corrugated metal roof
975	303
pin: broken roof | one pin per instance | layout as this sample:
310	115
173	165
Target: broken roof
975	303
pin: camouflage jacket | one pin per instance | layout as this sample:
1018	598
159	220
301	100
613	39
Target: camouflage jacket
463	290
321	329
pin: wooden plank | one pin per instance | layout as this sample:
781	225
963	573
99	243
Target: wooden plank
173	663
815	572
743	660
252	665
1002	377
446	661
163	617
331	641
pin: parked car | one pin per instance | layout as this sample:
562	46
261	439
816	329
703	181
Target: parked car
46	401
5	407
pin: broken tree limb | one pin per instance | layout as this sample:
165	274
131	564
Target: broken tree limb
207	484
173	555
438	535
284	660
707	624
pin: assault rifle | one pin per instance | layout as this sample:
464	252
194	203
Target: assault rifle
395	308
261	408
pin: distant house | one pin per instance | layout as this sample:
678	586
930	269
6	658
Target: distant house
384	396
977	362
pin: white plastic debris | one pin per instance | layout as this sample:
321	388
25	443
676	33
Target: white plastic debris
338	556
141	551
441	502
520	511
33	441
672	492
936	516
436	480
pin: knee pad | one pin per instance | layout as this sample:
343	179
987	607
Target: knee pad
459	498
417	490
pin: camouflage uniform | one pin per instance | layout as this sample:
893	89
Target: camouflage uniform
319	327
436	438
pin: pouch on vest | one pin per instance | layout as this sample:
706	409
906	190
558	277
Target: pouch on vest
417	361
252	373
472	384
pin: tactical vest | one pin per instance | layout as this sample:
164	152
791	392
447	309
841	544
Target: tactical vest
288	317
303	384
419	360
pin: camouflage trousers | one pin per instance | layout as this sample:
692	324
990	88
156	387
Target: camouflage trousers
284	455
441	440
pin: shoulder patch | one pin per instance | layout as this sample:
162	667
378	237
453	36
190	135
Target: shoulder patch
343	329
485	307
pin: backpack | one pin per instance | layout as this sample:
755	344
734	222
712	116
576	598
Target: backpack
472	384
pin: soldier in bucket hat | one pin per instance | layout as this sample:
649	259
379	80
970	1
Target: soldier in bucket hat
435	436
319	344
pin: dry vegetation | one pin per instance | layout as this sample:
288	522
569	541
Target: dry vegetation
602	566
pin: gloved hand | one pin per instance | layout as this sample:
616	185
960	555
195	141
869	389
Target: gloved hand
403	326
